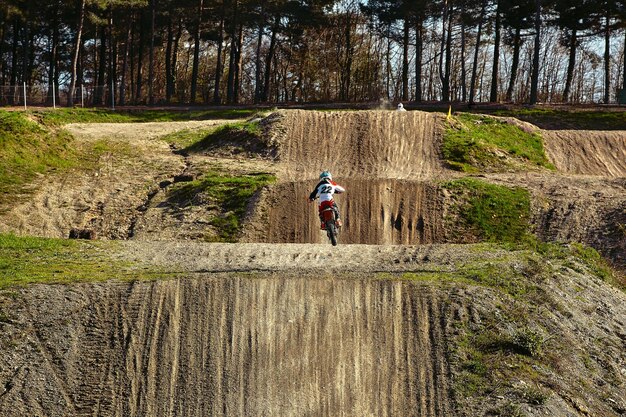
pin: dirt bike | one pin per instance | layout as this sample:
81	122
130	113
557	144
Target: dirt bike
330	224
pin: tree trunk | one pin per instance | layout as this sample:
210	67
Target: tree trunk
76	52
112	75
102	61
257	70
607	61
268	62
624	71
125	62
388	66
196	54
217	99
442	45
13	78
534	81
151	54
476	50
463	69
346	71
139	83
168	59
231	70
174	60
54	49
405	60
131	54
3	31
446	77
493	95
30	52
419	48
238	66
517	46
232	60
573	41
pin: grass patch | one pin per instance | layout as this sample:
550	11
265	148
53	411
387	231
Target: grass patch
503	275
240	136
230	194
29	150
62	116
482	143
569	119
28	260
233	137
489	361
186	138
490	212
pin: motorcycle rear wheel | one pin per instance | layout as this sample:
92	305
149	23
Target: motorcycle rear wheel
331	231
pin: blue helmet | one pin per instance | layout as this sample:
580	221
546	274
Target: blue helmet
326	175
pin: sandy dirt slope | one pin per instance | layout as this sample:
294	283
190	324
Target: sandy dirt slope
588	209
226	345
363	144
587	152
276	333
374	211
110	199
136	132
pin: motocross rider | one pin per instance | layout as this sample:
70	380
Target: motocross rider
325	190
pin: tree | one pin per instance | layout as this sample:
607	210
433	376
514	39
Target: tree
493	95
76	52
573	17
481	18
516	19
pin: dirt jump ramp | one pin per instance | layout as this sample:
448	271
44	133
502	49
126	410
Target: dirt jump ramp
587	152
373	211
234	346
362	144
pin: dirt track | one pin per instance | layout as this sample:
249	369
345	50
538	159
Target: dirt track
222	345
282	329
587	152
274	333
360	145
374	211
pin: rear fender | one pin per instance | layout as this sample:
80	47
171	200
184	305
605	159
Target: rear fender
328	214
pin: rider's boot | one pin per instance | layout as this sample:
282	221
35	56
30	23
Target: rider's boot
339	223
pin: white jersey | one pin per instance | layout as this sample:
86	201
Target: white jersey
325	190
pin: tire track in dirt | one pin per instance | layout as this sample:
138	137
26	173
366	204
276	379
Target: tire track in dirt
374	211
230	345
373	154
587	152
363	144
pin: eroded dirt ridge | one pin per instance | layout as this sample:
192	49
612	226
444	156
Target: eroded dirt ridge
375	211
363	144
224	345
383	159
587	152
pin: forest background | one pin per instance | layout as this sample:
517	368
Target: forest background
156	52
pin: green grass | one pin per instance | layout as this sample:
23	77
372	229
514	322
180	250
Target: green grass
490	212
481	143
186	138
27	150
245	135
197	140
62	116
569	119
231	194
28	260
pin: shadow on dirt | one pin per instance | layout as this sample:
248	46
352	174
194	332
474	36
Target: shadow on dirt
229	141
